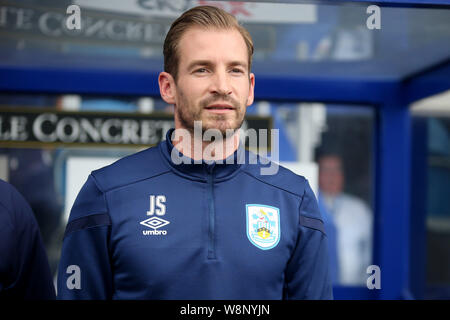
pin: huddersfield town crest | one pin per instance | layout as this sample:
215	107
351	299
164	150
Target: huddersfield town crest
263	225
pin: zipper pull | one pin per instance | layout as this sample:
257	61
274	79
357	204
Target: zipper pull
210	167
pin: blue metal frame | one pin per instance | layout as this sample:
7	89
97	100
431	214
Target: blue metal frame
419	151
395	245
428	82
268	87
392	206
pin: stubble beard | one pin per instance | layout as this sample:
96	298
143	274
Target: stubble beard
227	126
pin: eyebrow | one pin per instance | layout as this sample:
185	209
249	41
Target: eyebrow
208	63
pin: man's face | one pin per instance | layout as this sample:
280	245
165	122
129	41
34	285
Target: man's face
213	85
331	178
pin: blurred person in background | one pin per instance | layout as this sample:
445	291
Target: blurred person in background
348	224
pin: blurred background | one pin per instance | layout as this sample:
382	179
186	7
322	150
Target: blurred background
362	112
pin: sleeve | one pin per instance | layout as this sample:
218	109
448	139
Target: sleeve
84	270
307	273
23	253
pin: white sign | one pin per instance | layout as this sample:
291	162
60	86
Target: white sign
243	11
77	172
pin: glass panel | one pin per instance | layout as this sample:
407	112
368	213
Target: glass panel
332	146
305	39
438	207
433	115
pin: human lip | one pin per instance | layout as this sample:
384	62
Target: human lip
219	108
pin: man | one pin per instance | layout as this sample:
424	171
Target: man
24	269
348	223
180	221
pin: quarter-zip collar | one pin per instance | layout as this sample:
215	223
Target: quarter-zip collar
195	169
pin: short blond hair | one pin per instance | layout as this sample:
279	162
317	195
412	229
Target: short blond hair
204	17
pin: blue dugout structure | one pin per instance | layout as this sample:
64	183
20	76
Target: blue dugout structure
401	74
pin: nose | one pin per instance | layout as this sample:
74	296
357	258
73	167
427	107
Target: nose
220	83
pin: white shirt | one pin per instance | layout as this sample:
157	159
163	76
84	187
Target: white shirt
353	221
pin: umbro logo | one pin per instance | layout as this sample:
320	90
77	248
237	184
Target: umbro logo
157	205
155	223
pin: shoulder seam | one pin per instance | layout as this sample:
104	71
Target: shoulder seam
270	184
97	184
129	183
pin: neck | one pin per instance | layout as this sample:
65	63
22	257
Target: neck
198	146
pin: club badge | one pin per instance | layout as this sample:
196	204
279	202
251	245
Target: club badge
263	225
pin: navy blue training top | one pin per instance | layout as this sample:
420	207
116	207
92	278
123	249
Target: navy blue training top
150	227
24	268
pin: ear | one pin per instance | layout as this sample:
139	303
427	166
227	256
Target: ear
251	90
167	87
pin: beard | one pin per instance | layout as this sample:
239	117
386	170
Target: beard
224	123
